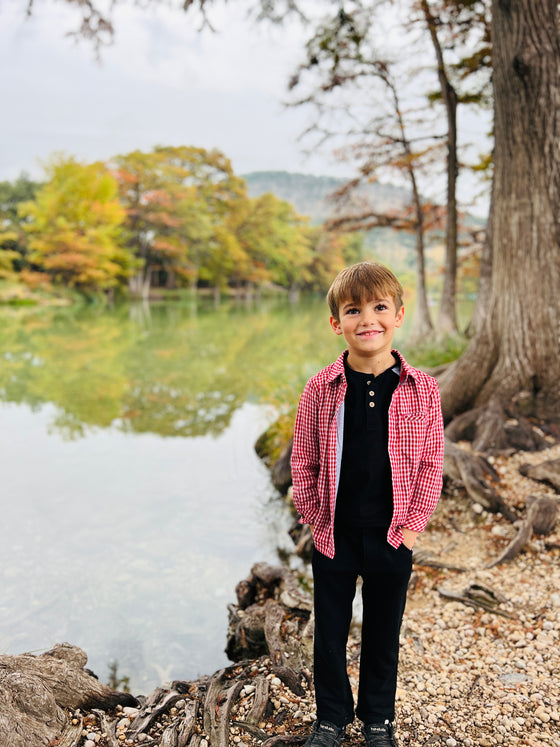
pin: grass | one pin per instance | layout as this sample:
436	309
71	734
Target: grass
436	352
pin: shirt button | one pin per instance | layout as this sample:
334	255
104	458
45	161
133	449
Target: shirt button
371	393
368	382
372	404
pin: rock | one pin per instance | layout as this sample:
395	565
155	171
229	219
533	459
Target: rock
281	472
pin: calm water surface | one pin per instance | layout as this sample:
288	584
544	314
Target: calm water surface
132	498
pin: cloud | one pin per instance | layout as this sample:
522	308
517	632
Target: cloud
162	81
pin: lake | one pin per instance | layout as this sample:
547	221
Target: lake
132	498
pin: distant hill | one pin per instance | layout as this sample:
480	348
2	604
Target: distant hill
310	194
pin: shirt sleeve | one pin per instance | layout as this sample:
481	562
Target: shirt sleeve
305	459
429	480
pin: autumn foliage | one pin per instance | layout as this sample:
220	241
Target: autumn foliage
172	217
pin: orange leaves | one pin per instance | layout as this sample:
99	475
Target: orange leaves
74	226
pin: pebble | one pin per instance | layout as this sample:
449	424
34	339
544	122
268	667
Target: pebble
89	743
467	677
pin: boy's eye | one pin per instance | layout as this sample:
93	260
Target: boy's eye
353	310
381	307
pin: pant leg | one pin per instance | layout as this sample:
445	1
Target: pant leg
334	590
385	580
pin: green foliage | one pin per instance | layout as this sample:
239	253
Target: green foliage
436	353
74	227
270	444
170	369
13	239
171	218
189	220
116	681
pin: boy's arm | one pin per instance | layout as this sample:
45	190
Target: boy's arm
427	488
305	457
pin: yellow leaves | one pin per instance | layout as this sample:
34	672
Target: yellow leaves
175	215
74	225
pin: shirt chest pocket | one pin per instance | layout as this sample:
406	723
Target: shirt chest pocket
412	429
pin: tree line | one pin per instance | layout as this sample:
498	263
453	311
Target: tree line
172	217
503	55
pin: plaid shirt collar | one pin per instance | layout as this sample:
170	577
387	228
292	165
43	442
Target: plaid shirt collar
337	368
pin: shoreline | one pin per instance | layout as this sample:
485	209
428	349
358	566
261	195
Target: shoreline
479	662
468	675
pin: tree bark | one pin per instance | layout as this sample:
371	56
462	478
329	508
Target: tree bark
422	323
36	691
514	356
447	317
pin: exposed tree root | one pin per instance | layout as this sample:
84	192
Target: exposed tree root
37	691
477	476
497	429
541	518
547	472
272	616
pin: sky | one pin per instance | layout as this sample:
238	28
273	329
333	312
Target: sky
162	82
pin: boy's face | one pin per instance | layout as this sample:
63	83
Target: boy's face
368	326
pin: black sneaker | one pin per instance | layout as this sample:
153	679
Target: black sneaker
325	734
379	735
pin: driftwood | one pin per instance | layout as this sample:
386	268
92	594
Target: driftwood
479	597
211	707
424	558
547	472
36	693
272	617
477	476
541	517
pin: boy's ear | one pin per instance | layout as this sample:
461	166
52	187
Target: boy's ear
400	317
335	324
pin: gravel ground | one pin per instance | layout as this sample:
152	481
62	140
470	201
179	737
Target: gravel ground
468	676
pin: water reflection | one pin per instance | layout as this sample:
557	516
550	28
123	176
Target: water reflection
115	536
164	369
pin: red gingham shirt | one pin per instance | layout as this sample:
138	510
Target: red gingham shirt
415	451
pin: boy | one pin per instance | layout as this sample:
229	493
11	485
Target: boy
367	473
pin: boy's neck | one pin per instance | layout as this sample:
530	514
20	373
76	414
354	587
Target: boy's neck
374	365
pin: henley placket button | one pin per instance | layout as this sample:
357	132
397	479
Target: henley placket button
372	404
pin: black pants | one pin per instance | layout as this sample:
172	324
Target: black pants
385	575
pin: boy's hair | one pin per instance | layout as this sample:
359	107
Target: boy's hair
362	282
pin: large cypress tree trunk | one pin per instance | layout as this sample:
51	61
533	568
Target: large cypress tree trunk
514	357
